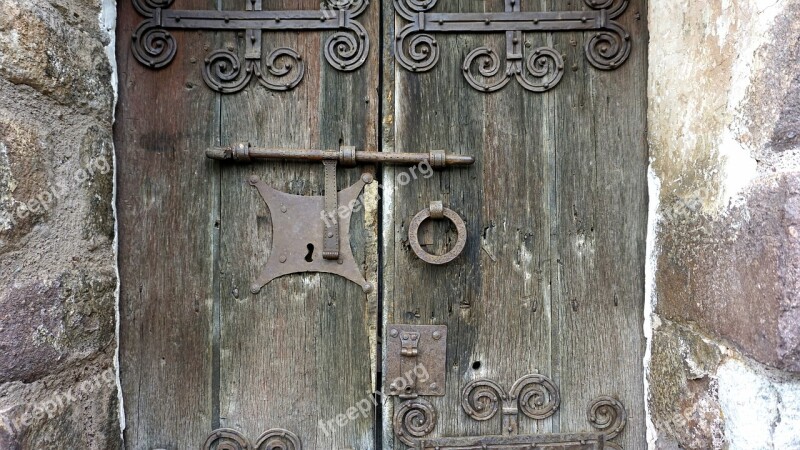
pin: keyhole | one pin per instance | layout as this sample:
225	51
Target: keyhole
310	255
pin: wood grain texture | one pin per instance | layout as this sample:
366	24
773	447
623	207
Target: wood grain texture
199	351
168	207
302	351
552	276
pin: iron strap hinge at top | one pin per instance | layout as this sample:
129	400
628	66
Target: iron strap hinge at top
417	50
346	49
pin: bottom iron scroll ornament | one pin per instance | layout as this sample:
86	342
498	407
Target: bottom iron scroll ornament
536	396
230	439
298	231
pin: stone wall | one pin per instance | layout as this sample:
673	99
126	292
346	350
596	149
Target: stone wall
57	266
724	125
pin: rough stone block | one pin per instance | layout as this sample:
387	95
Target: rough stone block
39	48
44	327
738	275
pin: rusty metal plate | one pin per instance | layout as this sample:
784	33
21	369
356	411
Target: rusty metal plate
298	227
415	360
581	441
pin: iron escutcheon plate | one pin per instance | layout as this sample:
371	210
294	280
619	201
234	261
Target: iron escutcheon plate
299	224
580	441
427	368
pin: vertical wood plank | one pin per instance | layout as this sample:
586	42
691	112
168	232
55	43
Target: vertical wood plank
551	279
168	209
303	350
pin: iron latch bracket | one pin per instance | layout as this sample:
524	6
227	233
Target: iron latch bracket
304	225
415	360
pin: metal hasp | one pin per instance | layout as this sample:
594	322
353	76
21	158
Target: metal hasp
282	69
302	225
416	358
416	48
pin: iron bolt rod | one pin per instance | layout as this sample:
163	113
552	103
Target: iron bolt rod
347	156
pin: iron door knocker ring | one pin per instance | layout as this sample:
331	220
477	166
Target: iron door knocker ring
437	211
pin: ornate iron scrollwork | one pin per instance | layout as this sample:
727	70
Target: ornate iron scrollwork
230	439
282	69
414	419
416	48
535	395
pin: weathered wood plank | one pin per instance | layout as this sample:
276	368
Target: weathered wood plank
555	207
302	351
168	204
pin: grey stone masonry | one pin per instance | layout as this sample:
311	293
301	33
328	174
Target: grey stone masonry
58	281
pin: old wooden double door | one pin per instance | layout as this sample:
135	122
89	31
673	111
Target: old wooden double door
544	306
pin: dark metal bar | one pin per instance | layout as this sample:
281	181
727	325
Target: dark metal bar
512	21
245	153
263	20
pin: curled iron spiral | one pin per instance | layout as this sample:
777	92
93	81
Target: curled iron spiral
488	64
546	66
414	419
420	53
409	8
153	46
347	50
278	439
147	7
608	415
610	48
284	64
226	439
355	7
615	7
224	73
537	396
482	398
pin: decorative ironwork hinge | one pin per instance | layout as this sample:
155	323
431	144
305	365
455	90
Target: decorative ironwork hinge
536	396
416	48
228	438
282	69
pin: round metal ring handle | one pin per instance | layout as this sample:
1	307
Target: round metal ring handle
437	211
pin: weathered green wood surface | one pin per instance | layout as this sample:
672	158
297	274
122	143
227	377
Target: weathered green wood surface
551	280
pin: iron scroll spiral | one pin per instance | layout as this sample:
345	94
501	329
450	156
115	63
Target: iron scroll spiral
278	439
153	46
481	399
609	48
608	415
537	396
348	50
226	439
224	73
414	419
